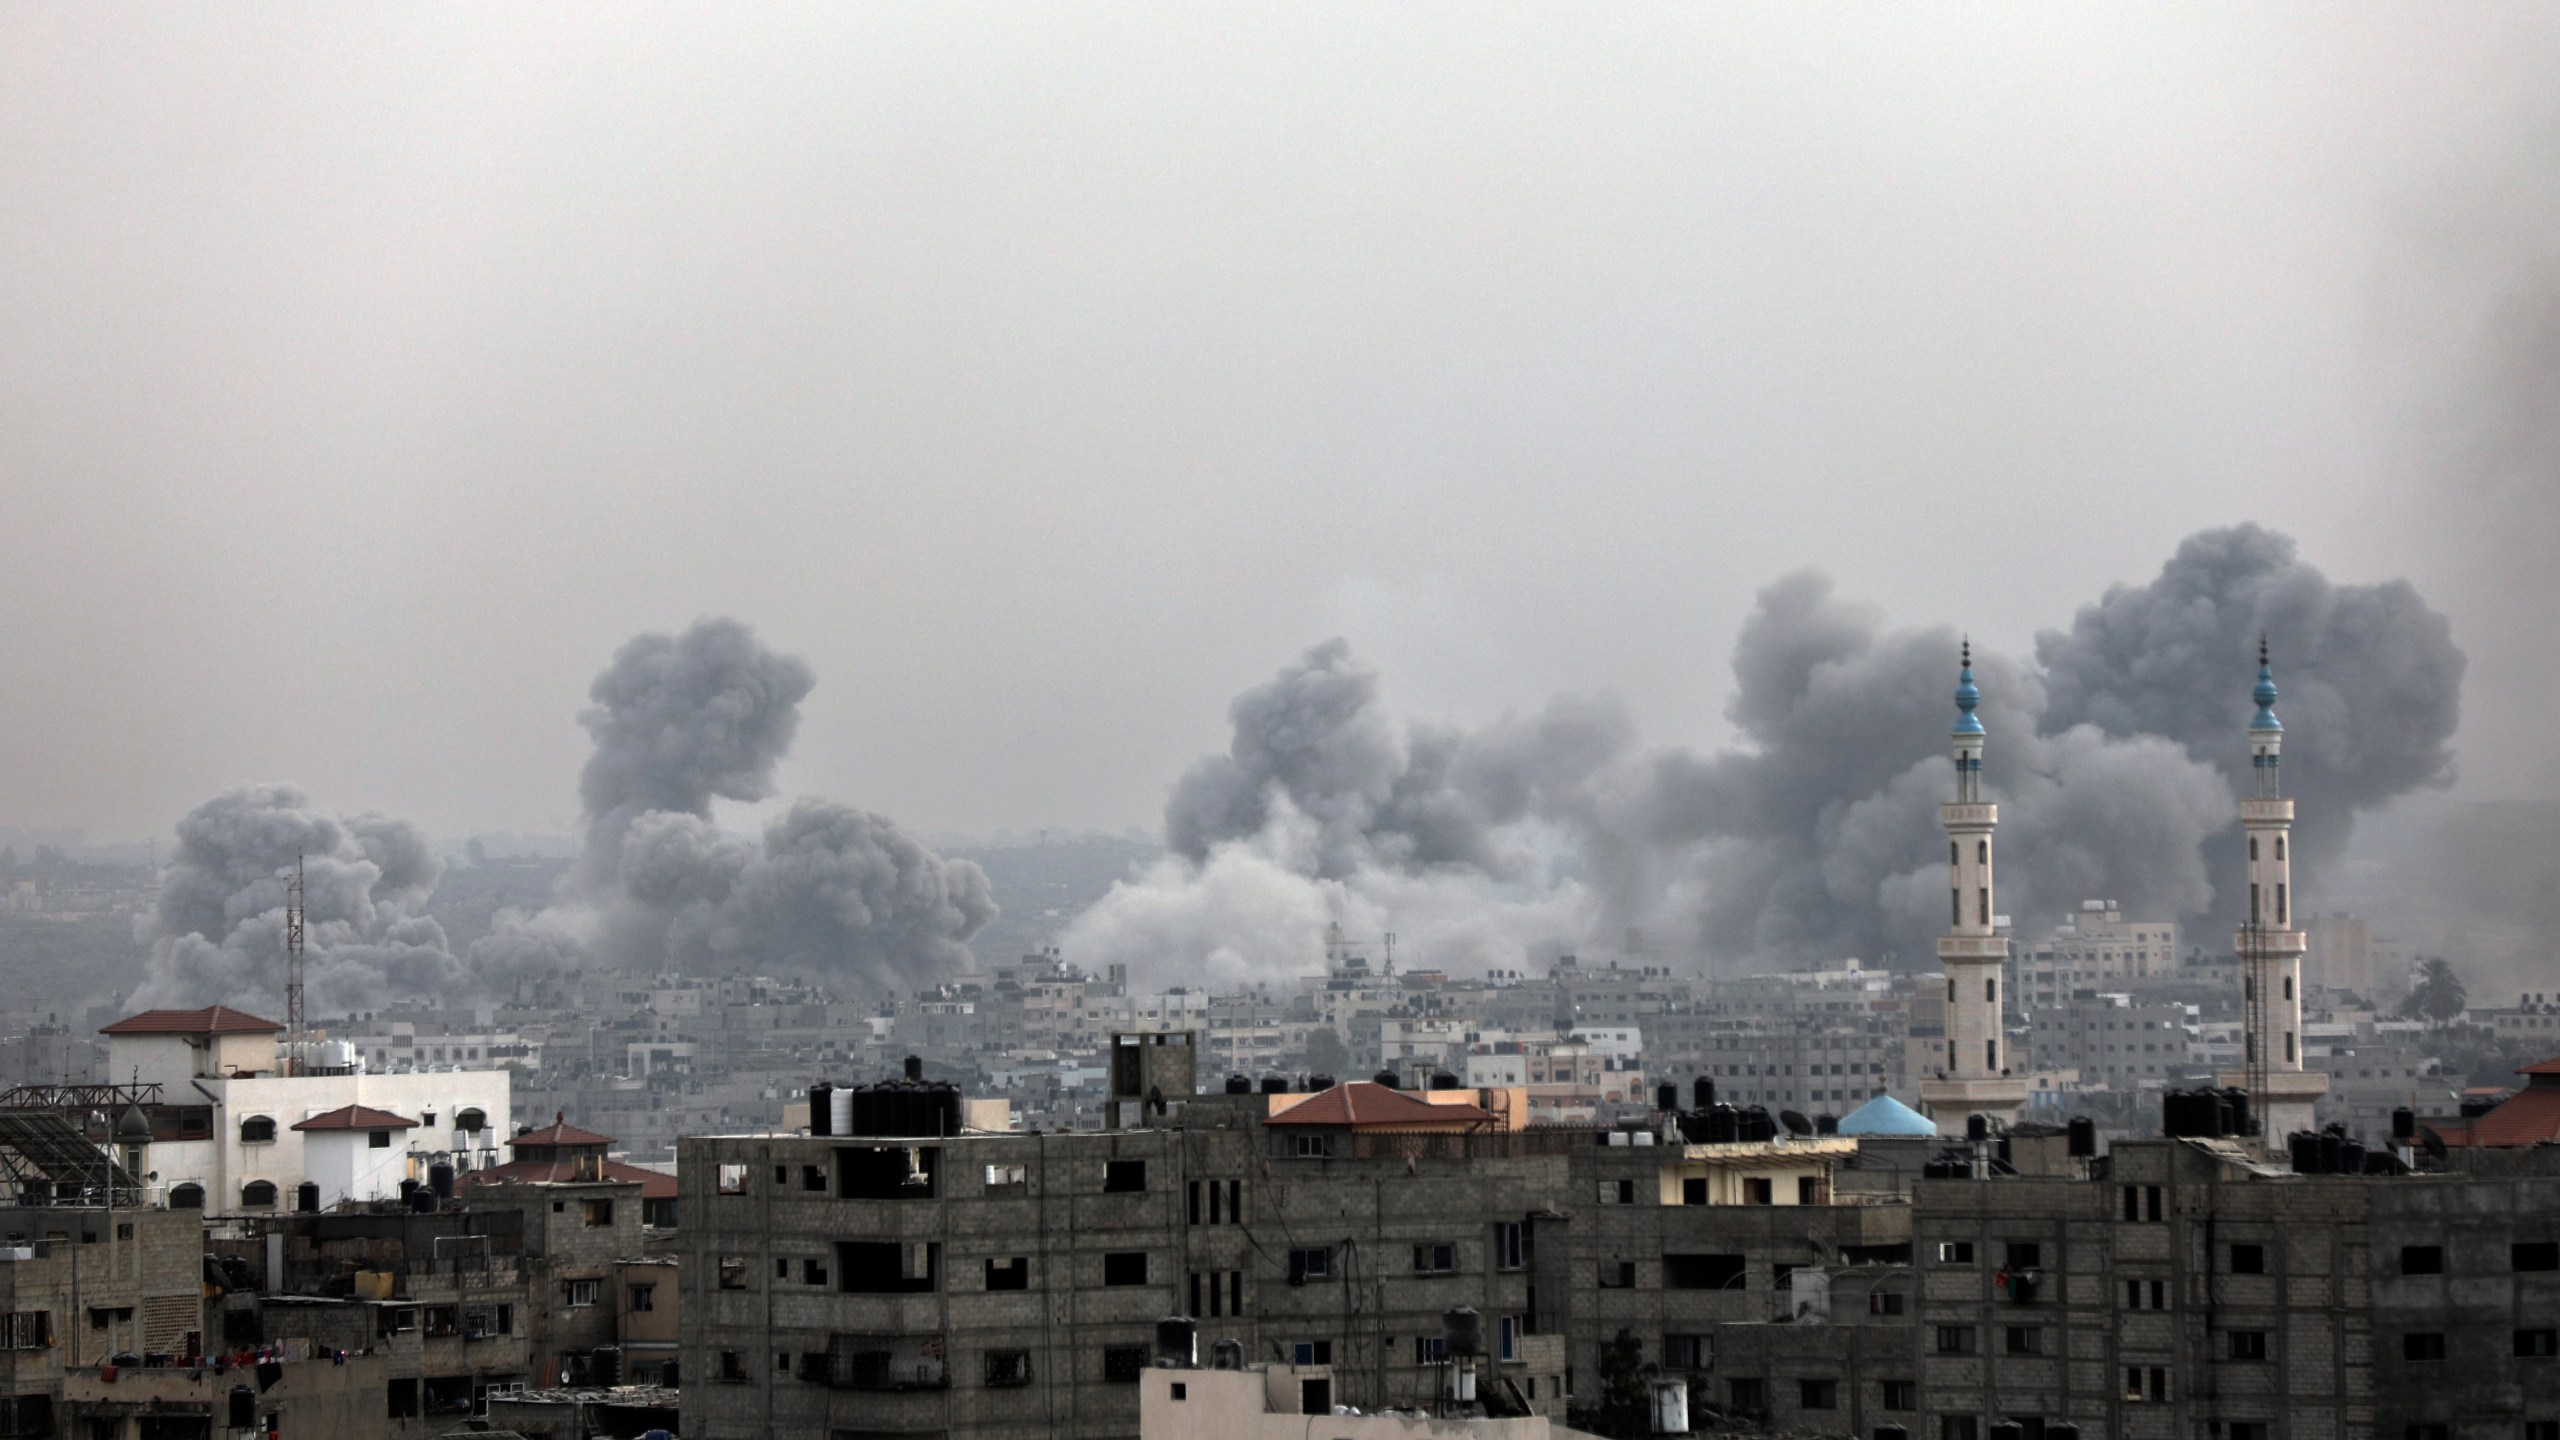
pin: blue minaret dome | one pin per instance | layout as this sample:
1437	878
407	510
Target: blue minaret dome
1967	696
2265	692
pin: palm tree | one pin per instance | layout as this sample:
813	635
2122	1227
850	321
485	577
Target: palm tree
2438	997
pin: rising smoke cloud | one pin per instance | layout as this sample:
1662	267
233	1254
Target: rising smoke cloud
680	721
1815	835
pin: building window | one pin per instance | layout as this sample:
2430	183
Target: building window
2535	1255
2025	1340
1685	1352
1124	1177
1756	1190
470	1120
574	1293
1125	1267
1959	1427
733	1179
813	1178
2537	1344
1750	1396
1702	1272
2023	1255
258	1130
1007	1369
404	1399
1510	1246
1817	1394
1900	1394
2542	1430
813	1272
644	1298
1009	1274
732	1370
598	1213
2244	1344
1430	1350
1000	1177
1955	1252
378	1139
1435	1259
1310	1147
1311	1352
1885	1302
1617	1275
26	1330
733	1272
1309	1262
257	1193
2422	1345
2421	1259
189	1196
2248	1259
1955	1340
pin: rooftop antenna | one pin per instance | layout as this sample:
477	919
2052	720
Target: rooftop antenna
293	1017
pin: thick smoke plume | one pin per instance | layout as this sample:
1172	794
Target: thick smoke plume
217	934
830	892
1815	836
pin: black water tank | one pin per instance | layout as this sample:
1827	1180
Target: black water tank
604	1365
2304	1147
1239	1084
1443	1080
408	1191
2084	1137
2350	1157
244	1408
1227	1355
1318	1084
866	1110
306	1198
1666	1098
2404	1124
1275	1084
1890	1431
1826	1124
1977	1126
1462	1331
1724	1125
1702	1092
423	1200
1178	1342
440	1180
915	1067
1390	1079
1757	1127
820	1114
2240	1113
2332	1149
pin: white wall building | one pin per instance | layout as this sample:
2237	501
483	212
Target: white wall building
225	1133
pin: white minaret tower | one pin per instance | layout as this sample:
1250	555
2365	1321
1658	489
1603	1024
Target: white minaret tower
1973	1074
2281	1092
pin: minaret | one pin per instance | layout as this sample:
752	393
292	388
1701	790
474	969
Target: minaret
2281	1093
1972	1076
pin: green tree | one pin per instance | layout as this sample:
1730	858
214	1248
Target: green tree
2438	997
1326	1054
1625	1408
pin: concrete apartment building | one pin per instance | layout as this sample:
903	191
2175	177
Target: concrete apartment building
2097	947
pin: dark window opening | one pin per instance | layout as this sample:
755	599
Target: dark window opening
1012	1274
2422	1345
2532	1255
2023	1255
886	1267
1124	1177
2421	1259
2248	1259
1702	1272
893	1172
1125	1267
1123	1364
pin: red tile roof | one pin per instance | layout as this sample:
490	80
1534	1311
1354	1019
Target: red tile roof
560	1132
654	1184
1361	1103
357	1117
2542	1067
2531	1118
211	1020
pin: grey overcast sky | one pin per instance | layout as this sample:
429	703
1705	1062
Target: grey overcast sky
1045	374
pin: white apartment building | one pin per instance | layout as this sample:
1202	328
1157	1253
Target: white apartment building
2093	948
225	1134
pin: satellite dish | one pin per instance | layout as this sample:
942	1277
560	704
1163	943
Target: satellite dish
2434	1142
1796	1124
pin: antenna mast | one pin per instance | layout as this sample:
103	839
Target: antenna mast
293	1017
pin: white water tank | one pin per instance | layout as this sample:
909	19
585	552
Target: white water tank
1670	1407
337	1055
840	1110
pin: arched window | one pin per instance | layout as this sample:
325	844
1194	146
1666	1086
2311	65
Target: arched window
2279	847
2253	847
257	1193
470	1121
257	1129
1982	852
189	1196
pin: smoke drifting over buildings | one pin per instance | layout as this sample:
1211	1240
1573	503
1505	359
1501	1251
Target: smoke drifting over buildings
679	721
1814	836
217	934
